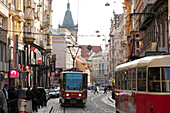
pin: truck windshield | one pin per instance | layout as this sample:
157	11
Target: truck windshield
74	81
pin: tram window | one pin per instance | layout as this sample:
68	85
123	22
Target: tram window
122	80
133	79
125	78
64	81
117	78
141	78
129	80
154	79
165	79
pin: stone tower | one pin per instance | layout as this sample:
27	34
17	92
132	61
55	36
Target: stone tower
68	22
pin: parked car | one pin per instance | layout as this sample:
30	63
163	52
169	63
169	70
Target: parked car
54	93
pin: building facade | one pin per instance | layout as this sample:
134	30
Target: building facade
62	39
4	15
100	70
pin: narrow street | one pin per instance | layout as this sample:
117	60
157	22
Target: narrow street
96	103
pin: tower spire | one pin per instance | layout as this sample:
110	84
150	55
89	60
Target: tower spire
68	5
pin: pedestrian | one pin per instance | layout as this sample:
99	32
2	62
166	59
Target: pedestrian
29	97
96	90
105	90
3	103
20	94
36	99
5	90
12	100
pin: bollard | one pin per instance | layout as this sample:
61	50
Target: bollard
22	106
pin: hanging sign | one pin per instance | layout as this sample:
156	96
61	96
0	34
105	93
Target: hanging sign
13	73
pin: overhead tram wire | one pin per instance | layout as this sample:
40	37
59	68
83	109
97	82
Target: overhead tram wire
24	32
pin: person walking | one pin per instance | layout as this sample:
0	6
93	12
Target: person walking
5	90
36	99
20	94
29	97
12	100
3	103
96	90
105	90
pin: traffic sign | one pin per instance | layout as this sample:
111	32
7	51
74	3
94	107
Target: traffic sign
89	47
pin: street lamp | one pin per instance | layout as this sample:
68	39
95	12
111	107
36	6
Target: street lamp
98	35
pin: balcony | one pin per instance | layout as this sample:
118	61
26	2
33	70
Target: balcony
146	18
11	9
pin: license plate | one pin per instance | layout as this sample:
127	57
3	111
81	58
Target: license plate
73	101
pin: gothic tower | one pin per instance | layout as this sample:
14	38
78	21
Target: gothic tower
68	22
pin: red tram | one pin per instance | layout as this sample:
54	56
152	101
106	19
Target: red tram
73	88
143	85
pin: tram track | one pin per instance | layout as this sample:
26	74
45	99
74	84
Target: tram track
67	111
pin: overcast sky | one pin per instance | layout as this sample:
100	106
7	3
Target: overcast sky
91	15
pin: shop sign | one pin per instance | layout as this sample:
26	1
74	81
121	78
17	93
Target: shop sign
26	68
13	73
38	55
39	61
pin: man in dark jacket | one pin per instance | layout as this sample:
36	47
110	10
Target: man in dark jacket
30	98
36	99
5	90
105	90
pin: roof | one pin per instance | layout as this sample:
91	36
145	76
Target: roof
150	61
85	51
68	20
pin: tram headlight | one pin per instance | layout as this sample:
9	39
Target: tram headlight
79	95
67	94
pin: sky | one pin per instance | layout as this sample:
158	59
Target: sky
90	15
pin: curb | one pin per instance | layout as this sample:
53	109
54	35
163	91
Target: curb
110	98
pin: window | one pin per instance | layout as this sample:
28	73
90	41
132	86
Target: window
165	79
154	79
122	80
141	78
74	81
117	79
125	78
133	79
129	80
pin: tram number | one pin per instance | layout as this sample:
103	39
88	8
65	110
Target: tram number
73	101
